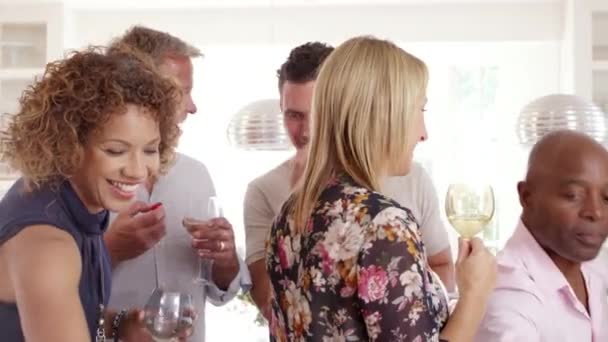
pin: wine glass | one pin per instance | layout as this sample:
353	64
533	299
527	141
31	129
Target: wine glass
214	210
169	313
469	208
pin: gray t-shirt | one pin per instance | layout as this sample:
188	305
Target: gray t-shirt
266	194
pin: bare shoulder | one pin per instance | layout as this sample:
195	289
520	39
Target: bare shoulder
42	253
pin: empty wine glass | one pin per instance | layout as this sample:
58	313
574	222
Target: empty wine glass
169	313
214	210
469	208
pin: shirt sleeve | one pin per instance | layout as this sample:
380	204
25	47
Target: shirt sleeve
258	218
432	227
242	280
391	276
510	317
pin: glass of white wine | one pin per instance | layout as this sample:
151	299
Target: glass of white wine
469	208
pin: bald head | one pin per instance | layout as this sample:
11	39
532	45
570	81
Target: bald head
560	149
565	195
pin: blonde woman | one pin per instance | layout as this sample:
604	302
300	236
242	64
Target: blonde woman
346	263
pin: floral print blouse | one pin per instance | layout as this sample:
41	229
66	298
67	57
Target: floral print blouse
357	273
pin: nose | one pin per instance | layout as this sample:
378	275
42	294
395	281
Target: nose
136	167
593	209
304	128
190	105
424	134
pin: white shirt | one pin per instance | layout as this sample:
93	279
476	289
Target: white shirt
267	193
187	183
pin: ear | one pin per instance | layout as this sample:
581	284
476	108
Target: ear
523	189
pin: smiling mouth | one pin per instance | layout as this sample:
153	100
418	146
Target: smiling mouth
125	187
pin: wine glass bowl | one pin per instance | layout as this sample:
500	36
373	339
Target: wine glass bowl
469	208
169	314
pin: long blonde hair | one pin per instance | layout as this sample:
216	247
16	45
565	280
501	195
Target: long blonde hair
364	101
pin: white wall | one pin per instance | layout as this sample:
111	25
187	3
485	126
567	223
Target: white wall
447	22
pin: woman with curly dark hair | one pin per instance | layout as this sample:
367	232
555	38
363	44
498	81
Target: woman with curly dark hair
88	133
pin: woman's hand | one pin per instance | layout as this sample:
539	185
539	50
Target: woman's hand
133	329
475	270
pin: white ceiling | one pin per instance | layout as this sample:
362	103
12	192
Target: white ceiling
253	3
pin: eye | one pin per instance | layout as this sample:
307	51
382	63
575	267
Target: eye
151	151
113	152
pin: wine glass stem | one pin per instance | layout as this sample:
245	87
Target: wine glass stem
205	268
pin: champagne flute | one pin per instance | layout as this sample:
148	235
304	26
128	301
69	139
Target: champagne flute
469	208
214	210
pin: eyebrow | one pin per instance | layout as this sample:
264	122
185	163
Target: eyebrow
124	142
573	181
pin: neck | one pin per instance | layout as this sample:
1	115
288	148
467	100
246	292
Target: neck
570	269
91	208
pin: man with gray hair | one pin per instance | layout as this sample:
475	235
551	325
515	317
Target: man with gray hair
162	208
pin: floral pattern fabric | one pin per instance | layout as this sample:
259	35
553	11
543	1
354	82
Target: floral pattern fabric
358	272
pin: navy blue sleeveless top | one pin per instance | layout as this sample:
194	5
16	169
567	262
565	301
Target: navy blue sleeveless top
63	209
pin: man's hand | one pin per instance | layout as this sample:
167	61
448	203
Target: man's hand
214	239
134	231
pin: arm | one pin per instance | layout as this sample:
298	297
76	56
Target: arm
433	230
44	267
241	281
260	291
392	295
258	218
476	277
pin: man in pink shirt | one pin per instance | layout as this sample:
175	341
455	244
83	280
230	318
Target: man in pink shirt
546	288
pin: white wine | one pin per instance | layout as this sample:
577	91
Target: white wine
470	225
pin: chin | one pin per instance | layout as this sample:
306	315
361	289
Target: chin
401	171
116	206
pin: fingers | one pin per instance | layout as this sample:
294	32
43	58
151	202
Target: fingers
134	208
152	234
213	233
214	245
477	246
149	218
464	249
193	225
152	207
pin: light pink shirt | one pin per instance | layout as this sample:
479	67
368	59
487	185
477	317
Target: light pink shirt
533	302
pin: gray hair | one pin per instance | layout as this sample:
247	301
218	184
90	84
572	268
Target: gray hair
156	44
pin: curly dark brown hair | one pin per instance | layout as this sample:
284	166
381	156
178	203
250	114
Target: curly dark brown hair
75	97
303	63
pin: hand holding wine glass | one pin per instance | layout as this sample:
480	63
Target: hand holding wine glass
170	313
469	208
213	240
